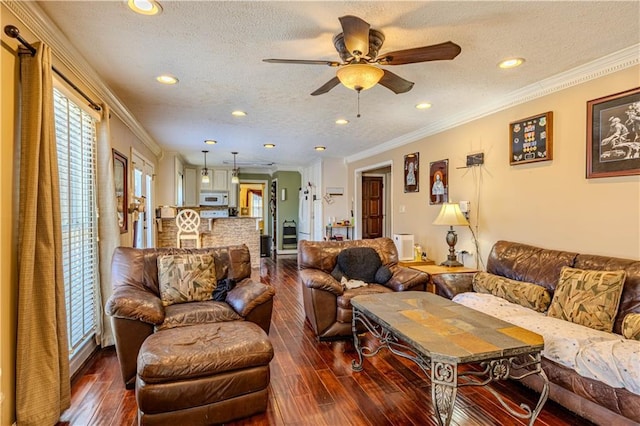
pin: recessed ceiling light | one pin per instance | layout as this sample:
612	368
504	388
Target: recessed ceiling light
167	79
210	142
423	105
238	113
319	148
269	145
342	121
145	7
511	63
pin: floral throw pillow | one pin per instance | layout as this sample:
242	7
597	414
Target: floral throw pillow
525	294
631	326
588	298
186	278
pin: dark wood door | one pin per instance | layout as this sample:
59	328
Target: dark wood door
372	213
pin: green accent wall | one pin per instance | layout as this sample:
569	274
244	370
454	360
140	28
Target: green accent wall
287	209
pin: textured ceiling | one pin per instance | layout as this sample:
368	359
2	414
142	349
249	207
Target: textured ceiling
216	50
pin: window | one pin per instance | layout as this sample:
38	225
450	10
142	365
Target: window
256	204
76	147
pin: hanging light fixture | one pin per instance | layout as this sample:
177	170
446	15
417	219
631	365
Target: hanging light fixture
359	76
234	175
205	171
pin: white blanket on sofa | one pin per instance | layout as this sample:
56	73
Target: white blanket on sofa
602	356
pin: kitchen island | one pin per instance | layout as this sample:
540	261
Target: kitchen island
221	231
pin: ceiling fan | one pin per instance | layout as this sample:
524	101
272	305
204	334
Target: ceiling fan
358	45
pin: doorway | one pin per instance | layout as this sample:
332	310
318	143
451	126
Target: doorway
143	190
251	202
377	212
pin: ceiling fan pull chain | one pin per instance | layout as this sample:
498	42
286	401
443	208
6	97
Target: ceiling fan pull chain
358	104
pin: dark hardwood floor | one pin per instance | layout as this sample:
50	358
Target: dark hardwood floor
312	382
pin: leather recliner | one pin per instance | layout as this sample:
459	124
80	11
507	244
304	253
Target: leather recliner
327	305
137	312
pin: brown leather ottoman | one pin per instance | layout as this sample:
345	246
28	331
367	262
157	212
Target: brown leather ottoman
203	374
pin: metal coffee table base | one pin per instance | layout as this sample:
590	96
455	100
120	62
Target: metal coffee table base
445	378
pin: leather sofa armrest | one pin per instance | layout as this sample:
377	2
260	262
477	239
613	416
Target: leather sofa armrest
448	285
135	304
405	279
246	296
320	280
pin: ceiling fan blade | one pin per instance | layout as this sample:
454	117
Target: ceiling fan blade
436	52
356	35
395	83
327	86
302	61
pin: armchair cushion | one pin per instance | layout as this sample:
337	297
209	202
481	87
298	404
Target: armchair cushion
194	313
186	277
588	298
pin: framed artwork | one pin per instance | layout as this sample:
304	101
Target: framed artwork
411	170
439	179
613	135
531	139
120	174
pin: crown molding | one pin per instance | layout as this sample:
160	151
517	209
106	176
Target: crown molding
608	64
37	22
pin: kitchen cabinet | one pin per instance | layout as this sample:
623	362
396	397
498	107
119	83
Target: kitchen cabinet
220	180
233	195
190	186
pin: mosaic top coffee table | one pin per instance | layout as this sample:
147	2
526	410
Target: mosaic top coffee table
440	335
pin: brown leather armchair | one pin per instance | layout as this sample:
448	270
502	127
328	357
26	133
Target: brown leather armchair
327	305
137	311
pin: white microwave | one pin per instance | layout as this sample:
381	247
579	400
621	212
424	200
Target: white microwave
214	199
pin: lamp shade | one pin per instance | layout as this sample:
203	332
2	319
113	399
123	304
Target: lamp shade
359	76
450	215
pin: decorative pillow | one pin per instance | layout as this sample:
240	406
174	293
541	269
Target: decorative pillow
359	263
186	278
224	286
631	326
383	274
588	298
525	294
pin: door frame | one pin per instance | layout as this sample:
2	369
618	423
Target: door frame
357	198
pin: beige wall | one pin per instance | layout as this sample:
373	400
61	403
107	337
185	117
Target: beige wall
549	204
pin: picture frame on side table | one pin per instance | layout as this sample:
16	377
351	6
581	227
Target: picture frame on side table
411	172
439	182
531	139
613	135
120	173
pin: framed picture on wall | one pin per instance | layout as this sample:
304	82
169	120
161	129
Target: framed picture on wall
531	139
613	135
411	170
120	178
439	181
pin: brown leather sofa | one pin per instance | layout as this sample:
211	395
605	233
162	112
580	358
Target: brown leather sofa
591	399
137	311
327	305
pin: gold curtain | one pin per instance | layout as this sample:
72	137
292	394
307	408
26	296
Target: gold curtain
108	228
42	354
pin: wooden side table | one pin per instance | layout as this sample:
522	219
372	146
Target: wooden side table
433	270
410	263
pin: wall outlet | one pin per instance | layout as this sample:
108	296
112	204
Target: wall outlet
402	208
464	206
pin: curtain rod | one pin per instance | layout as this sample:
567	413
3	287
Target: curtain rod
14	32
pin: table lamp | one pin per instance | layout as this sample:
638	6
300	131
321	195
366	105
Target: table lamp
451	215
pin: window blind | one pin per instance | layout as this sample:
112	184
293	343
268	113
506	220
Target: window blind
76	147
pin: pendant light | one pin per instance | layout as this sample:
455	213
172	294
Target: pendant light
205	171
234	175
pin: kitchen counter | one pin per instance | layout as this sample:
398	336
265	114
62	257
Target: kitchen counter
221	231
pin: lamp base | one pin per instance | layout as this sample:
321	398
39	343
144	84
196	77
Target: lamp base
451	263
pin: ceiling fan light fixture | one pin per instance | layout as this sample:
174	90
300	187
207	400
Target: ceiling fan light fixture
359	76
